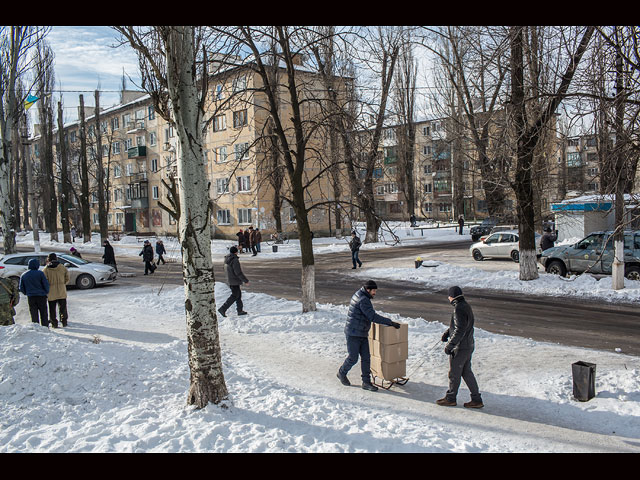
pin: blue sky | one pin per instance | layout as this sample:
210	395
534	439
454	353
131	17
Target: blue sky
85	60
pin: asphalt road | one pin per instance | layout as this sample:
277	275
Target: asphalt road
590	324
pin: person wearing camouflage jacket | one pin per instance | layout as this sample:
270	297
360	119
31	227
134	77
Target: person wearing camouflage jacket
9	298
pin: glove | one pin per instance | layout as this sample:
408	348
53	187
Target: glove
448	349
445	336
395	325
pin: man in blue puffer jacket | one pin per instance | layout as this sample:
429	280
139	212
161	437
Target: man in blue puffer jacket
359	318
35	286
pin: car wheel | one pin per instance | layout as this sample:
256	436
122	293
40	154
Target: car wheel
556	267
477	256
632	273
515	256
85	281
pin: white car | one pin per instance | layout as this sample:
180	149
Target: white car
501	245
82	274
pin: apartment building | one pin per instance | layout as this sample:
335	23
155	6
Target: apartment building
139	151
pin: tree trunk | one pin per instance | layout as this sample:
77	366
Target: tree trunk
84	178
64	180
102	210
207	384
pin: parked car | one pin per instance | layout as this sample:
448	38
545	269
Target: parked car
499	228
484	228
82	274
594	254
500	245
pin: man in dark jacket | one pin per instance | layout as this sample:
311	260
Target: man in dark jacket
359	318
35	286
235	278
147	257
160	250
355	244
547	240
460	346
109	255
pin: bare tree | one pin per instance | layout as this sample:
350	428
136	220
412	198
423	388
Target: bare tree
528	129
169	58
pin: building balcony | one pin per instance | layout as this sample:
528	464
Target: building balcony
137	152
142	202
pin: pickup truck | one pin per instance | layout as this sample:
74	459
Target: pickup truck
594	254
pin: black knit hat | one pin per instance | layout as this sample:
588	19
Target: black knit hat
370	285
233	250
455	292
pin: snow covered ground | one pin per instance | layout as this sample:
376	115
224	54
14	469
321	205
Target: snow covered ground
116	379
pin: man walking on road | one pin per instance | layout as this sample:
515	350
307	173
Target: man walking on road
359	318
460	347
235	278
354	244
35	286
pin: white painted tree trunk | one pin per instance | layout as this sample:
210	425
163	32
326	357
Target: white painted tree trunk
528	265
205	362
617	273
308	288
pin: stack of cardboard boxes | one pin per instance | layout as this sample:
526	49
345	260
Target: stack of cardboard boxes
389	348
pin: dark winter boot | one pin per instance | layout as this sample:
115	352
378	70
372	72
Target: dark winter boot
221	312
242	313
369	386
445	402
343	379
474	404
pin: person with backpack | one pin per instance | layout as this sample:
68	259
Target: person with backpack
359	318
35	286
355	244
58	277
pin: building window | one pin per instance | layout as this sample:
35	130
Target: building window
239	84
119	218
427	207
152	112
115	123
377	173
221	154
116	148
155	192
240	118
224	217
244	216
116	171
244	183
154	164
129	169
425	131
152	138
219	123
427	169
428	188
445	207
219	92
222	185
574	160
426	149
241	151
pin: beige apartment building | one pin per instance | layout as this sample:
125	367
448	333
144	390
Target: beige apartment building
139	151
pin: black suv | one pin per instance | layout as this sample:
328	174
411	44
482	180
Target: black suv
484	228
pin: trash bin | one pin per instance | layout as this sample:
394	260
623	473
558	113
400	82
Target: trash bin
418	263
584	380
275	248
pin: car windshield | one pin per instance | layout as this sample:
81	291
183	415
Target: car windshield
73	259
592	241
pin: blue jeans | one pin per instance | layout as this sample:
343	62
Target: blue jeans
358	347
355	259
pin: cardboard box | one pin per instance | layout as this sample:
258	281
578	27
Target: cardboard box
389	335
388	371
389	353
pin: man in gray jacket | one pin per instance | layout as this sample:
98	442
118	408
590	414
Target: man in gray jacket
460	347
235	278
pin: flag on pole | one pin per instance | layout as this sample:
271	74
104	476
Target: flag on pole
30	101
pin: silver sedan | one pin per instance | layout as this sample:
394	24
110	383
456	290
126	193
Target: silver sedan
82	274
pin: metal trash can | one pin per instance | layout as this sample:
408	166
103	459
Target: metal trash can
275	248
418	263
584	380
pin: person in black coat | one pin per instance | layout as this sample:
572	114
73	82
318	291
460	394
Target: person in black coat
147	256
359	318
109	256
160	250
460	346
354	245
235	278
547	240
